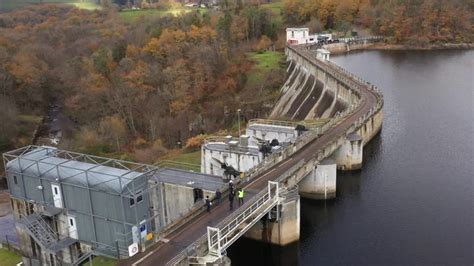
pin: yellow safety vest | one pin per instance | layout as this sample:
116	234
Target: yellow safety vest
241	193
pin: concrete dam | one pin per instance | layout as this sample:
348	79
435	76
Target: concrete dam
304	96
315	89
155	214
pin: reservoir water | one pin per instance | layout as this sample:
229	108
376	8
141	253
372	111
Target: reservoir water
412	203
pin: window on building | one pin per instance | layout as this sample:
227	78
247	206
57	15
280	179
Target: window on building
71	222
15	180
132	201
292	34
139	198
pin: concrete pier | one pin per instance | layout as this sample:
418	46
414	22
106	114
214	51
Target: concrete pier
349	155
321	182
282	230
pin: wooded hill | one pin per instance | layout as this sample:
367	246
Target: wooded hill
147	84
417	22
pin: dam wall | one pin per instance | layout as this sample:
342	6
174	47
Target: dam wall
303	165
311	93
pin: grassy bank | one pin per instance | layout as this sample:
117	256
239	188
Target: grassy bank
277	8
132	15
8	258
7	5
264	63
103	261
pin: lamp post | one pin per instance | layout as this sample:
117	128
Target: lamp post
238	120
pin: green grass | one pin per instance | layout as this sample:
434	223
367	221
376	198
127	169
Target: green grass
103	261
276	7
190	157
131	15
30	119
264	63
7	5
88	6
8	258
190	161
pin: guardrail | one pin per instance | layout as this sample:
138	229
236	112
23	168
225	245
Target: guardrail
361	39
306	123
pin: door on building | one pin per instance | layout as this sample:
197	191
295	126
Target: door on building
72	227
198	194
58	201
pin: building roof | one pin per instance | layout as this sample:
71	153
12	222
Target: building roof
273	128
75	168
225	147
297	29
189	179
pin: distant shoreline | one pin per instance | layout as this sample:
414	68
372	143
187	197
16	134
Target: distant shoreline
338	49
446	46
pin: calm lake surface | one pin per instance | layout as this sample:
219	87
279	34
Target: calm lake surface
413	201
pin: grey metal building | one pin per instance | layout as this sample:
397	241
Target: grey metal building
70	203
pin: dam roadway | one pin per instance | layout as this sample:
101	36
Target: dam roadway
164	251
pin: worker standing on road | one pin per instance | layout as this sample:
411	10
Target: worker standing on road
208	204
218	197
231	198
241	196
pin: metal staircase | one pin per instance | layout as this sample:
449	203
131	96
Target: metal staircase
43	234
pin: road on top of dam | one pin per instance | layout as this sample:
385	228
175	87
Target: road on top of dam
160	253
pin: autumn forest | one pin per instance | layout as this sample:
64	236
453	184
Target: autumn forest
138	88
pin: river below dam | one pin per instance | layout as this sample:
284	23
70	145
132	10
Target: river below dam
412	203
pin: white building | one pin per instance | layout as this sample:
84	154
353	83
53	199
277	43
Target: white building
323	54
231	151
295	36
269	130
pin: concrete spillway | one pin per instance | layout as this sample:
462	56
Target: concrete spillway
301	96
306	96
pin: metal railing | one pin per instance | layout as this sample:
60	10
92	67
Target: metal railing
293	124
220	238
229	223
361	39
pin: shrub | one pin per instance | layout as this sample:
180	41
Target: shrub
195	142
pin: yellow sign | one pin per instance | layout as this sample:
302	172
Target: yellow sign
149	236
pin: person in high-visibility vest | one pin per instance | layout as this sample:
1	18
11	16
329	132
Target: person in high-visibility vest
241	197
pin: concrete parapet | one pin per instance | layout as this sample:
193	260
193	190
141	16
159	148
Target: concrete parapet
321	182
371	127
283	230
349	155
